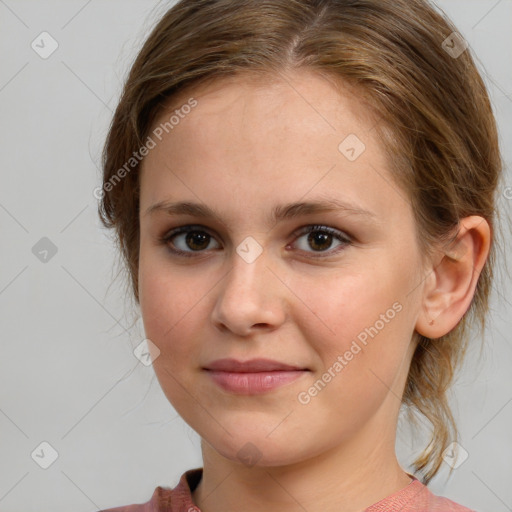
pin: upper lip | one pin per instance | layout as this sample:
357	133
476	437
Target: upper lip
252	365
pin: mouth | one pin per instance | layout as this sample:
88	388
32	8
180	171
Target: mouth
251	366
252	377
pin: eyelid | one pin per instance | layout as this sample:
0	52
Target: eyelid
343	237
299	231
325	228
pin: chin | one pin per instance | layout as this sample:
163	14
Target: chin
257	450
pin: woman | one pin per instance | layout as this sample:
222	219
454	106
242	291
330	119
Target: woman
303	193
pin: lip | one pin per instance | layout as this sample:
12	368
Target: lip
252	377
252	365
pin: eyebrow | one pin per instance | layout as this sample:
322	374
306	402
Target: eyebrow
279	212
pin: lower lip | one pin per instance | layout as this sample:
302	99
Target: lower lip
253	383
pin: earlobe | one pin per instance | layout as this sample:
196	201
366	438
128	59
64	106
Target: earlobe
450	286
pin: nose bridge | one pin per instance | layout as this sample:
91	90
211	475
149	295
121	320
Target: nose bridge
248	270
247	296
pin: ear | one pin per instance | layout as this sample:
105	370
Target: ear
451	283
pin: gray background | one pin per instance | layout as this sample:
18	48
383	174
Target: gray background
67	372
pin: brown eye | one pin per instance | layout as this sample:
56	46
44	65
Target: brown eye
320	239
187	240
197	240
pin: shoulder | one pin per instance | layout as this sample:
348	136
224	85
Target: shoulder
439	504
426	500
417	497
165	499
159	501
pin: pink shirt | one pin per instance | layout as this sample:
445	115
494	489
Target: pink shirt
415	497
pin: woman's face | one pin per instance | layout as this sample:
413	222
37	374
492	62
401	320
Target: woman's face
341	310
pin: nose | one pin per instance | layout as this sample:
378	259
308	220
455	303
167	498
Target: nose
250	297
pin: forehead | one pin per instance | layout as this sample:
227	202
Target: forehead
303	90
259	136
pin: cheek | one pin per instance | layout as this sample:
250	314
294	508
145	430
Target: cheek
170	311
340	307
360	328
169	303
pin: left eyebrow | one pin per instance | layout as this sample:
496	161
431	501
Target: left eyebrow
279	212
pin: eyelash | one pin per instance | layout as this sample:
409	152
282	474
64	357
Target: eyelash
346	240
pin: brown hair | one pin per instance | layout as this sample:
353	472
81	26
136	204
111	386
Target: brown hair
436	121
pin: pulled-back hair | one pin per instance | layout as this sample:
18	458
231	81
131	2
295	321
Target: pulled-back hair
435	122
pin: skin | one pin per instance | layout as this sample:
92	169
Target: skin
247	146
